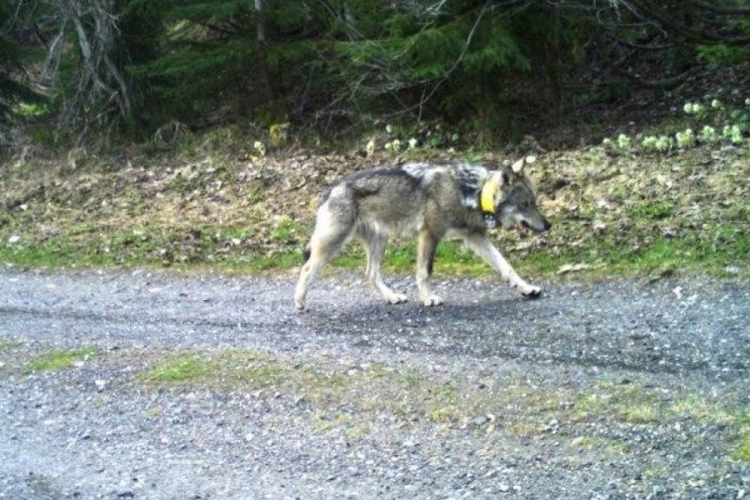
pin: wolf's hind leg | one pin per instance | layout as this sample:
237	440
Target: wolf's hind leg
426	248
483	247
327	239
375	244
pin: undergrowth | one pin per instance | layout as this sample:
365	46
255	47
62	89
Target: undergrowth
615	210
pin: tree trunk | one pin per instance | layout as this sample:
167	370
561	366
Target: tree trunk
264	80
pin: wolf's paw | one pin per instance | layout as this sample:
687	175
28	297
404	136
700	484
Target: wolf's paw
300	304
432	300
533	292
396	298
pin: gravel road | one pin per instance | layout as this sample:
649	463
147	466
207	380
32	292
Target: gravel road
613	390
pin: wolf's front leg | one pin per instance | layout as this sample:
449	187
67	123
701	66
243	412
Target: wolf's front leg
483	247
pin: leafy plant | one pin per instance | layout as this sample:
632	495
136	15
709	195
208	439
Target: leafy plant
734	123
685	139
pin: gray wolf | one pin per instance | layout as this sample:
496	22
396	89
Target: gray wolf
430	202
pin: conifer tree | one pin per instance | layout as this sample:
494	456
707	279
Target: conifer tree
15	85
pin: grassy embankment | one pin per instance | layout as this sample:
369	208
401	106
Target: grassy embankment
614	211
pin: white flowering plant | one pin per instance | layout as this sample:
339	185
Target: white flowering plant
662	143
685	139
260	148
708	135
623	142
732	134
725	125
695	109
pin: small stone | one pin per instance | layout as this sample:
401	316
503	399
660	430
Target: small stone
480	421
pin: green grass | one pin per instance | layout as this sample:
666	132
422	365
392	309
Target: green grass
742	452
288	231
352	398
58	359
8	345
249	370
627	403
654	210
179	369
607	256
451	258
224	250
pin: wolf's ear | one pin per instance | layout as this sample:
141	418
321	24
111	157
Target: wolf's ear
518	166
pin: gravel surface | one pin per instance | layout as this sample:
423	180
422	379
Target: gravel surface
613	390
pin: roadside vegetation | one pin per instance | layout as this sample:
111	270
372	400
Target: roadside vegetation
350	399
199	135
351	396
58	360
617	208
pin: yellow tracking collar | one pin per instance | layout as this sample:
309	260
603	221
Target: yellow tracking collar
490	190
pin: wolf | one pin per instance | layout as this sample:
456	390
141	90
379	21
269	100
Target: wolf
431	202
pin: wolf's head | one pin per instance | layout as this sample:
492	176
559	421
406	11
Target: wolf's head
515	204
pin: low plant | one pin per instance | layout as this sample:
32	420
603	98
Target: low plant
708	119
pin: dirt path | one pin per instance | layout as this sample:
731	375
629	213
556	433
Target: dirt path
610	390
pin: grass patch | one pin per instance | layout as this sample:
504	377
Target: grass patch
180	248
413	394
58	359
404	393
726	248
210	209
180	369
643	414
352	399
701	410
167	249
653	210
234	250
585	442
8	345
629	403
742	451
288	231
235	369
606	256
401	257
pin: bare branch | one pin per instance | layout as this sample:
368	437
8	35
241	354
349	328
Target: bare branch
668	21
719	9
665	83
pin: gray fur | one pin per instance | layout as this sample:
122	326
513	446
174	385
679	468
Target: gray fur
430	202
